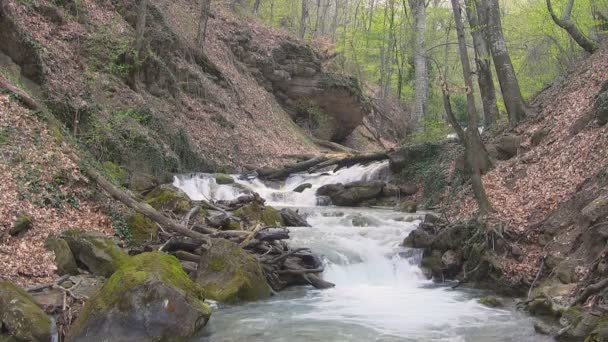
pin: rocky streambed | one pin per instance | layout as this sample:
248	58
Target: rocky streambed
337	274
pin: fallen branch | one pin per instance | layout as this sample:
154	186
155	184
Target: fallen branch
317	282
191	213
187	256
250	236
283	257
540	270
298	167
333	146
45	286
144	209
24	97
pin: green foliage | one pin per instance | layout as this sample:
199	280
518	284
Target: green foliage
4	136
433	130
427	168
119	223
108	50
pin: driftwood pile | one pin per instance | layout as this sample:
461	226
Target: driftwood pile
282	265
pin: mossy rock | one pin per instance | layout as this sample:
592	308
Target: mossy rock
600	333
230	274
64	259
433	265
223	179
20	317
408	206
167	197
258	213
116	173
150	298
491	301
22	223
142	229
97	252
571	316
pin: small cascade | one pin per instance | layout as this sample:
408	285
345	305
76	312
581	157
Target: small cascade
203	186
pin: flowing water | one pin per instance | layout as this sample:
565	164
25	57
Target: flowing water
380	293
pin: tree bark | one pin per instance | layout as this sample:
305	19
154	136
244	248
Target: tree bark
569	26
489	15
477	156
202	22
484	72
421	79
304	19
256	7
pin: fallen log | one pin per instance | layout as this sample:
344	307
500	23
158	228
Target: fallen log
317	282
144	209
333	146
295	168
284	256
350	161
24	97
180	244
187	256
191	212
301	271
270	234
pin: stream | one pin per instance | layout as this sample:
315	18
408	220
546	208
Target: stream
380	294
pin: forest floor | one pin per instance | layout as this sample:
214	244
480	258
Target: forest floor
527	188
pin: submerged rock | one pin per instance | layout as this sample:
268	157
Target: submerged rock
351	194
20	318
491	301
292	218
223	179
97	252
255	212
150	298
302	187
229	274
418	238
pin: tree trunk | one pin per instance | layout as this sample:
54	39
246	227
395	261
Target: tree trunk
256	7
567	24
421	78
489	15
484	72
202	22
304	19
477	156
140	28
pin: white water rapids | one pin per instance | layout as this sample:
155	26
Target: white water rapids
380	293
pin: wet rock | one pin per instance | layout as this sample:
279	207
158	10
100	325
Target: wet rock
149	298
544	328
543	306
351	194
20	318
585	324
64	259
418	238
256	212
168	198
300	188
401	190
230	274
223	179
359	220
98	253
22	224
452	261
451	237
491	301
408	206
292	218
433	266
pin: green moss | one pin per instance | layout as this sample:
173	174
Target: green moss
23	317
572	315
221	178
23	223
490	301
432	263
116	173
167	197
255	212
408	206
217	264
138	270
142	229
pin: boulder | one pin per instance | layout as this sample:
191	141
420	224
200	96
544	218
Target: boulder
22	224
432	266
351	194
64	259
142	229
452	261
292	218
97	252
255	212
150	298
400	190
300	188
600	107
408	206
600	332
168	198
20	318
507	146
229	274
221	178
418	238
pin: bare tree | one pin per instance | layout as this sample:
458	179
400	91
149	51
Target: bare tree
477	156
304	18
421	77
569	26
202	22
489	16
138	50
256	7
483	61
